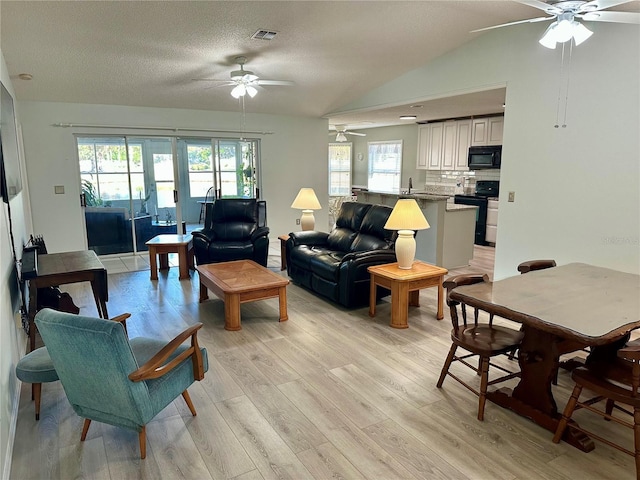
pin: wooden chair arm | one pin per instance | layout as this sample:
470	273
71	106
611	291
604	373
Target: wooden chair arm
531	265
122	319
465	279
631	351
156	367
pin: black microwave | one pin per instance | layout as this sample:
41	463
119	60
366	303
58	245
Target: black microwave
485	157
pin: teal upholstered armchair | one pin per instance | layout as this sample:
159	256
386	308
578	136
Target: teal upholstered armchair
114	380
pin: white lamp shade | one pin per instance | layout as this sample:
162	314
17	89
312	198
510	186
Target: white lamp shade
306	200
406	215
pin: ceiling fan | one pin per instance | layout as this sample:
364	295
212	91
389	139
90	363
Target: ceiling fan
244	81
565	15
342	131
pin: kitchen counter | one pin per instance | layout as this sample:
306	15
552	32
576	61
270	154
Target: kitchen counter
449	241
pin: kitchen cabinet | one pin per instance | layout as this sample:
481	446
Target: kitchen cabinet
492	221
438	146
463	141
445	145
487	131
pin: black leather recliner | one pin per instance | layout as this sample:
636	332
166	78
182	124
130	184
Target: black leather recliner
234	229
334	264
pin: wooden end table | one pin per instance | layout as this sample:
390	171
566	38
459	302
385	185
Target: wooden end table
283	251
405	286
163	245
241	281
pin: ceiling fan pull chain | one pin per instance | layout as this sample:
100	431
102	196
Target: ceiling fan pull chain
566	99
557	125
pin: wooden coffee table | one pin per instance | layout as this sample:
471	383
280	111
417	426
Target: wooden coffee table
163	245
405	288
241	281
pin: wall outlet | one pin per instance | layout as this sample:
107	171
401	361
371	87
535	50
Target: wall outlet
512	196
297	221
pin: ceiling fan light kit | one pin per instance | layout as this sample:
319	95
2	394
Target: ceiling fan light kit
341	137
563	30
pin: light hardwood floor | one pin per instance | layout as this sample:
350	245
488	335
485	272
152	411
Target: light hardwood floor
331	393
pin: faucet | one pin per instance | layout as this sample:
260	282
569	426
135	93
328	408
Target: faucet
410	186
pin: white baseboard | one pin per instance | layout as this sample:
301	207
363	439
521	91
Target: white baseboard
6	471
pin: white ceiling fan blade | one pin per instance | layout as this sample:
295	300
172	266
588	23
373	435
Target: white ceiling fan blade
615	17
601	4
541	6
531	20
275	82
356	134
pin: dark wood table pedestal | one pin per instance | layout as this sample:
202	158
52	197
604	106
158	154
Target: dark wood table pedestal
533	397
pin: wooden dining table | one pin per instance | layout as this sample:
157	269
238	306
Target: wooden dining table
561	309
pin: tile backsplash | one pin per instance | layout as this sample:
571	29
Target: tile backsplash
444	181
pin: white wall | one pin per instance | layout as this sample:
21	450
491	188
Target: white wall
294	156
577	188
12	337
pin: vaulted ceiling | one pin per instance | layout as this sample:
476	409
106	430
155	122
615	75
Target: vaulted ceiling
147	53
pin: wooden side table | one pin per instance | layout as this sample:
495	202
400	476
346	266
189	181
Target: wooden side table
405	286
163	245
283	251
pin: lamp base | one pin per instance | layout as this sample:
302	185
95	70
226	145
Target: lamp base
307	220
405	249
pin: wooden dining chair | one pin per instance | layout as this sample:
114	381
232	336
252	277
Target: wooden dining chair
618	382
482	339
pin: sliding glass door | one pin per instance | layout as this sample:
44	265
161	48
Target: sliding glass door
137	187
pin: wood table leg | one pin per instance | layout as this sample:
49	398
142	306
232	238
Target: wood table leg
232	312
204	292
372	296
399	305
33	305
164	261
153	265
191	257
414	298
101	305
183	263
282	300
440	314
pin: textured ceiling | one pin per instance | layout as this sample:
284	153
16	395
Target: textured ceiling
146	53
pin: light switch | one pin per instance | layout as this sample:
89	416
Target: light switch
512	196
58	189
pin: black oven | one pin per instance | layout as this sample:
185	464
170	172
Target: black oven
485	189
485	157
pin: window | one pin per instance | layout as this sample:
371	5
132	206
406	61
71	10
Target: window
385	165
339	169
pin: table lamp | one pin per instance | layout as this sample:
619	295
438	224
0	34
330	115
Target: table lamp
307	201
405	218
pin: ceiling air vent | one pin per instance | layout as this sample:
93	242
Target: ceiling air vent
264	35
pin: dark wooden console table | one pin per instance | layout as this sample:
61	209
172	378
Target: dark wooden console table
562	309
63	268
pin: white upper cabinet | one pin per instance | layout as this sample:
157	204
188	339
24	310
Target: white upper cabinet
487	131
445	145
423	142
462	145
449	153
434	148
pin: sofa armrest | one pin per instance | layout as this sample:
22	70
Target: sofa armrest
310	237
207	235
259	232
371	257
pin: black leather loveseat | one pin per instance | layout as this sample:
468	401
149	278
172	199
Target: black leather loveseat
234	229
334	264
